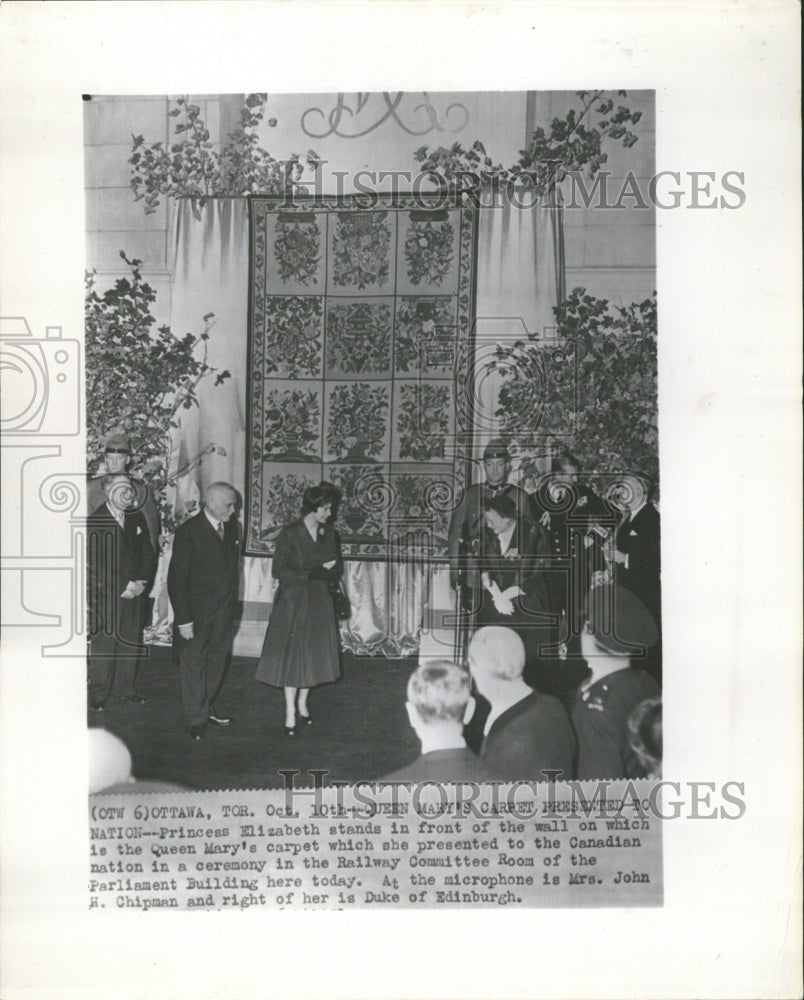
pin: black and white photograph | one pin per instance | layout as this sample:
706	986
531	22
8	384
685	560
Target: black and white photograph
412	386
393	399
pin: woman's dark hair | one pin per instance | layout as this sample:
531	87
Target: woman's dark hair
319	496
504	506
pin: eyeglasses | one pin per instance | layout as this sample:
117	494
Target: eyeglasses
117	451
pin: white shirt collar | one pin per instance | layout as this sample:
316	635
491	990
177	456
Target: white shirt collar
212	520
505	537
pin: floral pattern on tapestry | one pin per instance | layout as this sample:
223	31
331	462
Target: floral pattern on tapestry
420	497
297	248
423	421
358	338
363	507
361	249
293	335
283	498
429	251
354	347
291	424
425	335
358	421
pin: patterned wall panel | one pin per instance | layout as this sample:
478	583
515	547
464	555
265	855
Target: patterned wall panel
357	319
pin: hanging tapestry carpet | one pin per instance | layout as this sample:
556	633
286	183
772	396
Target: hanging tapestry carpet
359	319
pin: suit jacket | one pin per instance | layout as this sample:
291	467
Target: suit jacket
639	539
522	561
443	765
466	523
144	502
203	574
115	556
532	736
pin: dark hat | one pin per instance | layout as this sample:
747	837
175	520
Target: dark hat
503	505
118	441
619	620
497	448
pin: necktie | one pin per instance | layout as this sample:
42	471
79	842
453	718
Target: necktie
220	530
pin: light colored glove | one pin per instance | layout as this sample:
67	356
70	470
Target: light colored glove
186	631
501	603
513	592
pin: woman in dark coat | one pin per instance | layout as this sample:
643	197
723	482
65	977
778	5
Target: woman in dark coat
301	644
514	589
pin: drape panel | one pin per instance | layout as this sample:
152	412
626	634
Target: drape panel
519	274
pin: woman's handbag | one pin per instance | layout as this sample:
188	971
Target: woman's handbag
341	603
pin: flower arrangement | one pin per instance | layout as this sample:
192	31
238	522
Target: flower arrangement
423	421
429	251
419	321
357	425
293	327
297	249
291	424
358	337
283	497
361	249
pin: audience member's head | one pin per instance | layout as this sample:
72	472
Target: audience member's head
496	659
617	624
110	768
645	729
439	699
109	761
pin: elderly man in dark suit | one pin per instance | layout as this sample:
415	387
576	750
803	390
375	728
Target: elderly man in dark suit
121	567
203	579
438	705
528	736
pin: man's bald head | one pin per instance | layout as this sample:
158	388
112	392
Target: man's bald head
220	499
496	653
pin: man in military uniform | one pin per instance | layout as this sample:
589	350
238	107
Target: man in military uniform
618	626
466	524
578	523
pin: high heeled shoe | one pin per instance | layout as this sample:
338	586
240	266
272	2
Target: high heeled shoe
307	720
290	730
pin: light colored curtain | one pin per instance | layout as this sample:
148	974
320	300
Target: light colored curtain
518	278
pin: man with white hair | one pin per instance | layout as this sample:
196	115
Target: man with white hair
438	704
527	735
203	577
